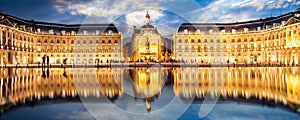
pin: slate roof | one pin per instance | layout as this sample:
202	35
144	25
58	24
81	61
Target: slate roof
239	26
56	27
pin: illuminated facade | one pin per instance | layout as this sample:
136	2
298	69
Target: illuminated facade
273	40
146	43
26	42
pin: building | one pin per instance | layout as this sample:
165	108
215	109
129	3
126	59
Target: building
146	43
274	40
28	41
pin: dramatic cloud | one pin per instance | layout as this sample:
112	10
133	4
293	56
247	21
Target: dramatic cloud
106	9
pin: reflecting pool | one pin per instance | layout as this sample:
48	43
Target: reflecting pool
150	93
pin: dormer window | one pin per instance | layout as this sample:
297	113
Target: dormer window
210	31
198	31
72	32
258	29
109	32
185	31
246	30
51	32
268	27
97	32
233	31
223	31
85	32
63	32
39	30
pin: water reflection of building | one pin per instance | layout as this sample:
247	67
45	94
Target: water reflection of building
271	84
20	85
148	84
24	41
270	40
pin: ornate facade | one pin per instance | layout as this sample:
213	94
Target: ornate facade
25	42
273	40
146	43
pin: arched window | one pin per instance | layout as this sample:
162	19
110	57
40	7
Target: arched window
179	41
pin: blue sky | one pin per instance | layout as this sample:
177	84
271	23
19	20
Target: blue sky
166	14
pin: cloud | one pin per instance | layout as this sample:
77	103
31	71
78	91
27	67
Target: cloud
108	10
137	18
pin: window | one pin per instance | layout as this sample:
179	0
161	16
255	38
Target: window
91	41
199	41
109	41
179	40
193	40
116	41
57	41
103	41
218	40
186	41
211	40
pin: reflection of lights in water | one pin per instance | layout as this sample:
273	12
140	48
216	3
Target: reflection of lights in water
278	84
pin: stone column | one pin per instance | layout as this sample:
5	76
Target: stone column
1	39
6	39
12	39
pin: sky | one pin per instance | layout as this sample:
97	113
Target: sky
167	15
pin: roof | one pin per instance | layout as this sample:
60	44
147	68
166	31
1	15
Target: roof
56	27
147	26
239	26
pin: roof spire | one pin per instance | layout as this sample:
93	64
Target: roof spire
147	19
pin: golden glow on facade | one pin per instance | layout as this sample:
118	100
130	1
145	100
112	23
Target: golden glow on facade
20	47
277	45
146	43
